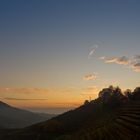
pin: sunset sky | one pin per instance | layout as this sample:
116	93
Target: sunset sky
54	54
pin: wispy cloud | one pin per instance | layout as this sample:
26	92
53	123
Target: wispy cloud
118	60
20	99
23	90
89	77
133	63
137	57
136	67
92	51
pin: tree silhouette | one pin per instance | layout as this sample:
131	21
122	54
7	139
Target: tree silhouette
86	102
128	94
112	96
136	93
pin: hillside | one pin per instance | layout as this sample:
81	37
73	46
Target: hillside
11	117
112	116
126	126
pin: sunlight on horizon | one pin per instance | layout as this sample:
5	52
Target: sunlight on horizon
57	54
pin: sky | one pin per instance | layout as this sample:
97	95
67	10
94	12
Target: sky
54	54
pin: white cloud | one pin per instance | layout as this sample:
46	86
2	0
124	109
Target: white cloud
92	51
133	63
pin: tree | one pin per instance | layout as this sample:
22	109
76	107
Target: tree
136	93
112	96
128	94
86	102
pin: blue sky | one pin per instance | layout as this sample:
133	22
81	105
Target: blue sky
45	44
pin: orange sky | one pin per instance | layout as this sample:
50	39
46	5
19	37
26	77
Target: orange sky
59	53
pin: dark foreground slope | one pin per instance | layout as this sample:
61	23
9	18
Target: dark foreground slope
126	126
11	117
91	114
106	118
122	123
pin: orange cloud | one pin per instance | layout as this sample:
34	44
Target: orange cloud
23	99
136	66
118	60
23	90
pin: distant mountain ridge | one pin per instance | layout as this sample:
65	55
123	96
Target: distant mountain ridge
2	104
11	117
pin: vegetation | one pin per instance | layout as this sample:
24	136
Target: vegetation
114	115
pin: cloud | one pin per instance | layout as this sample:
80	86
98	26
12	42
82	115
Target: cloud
133	63
102	57
24	90
136	66
118	60
92	51
20	99
137	57
89	77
